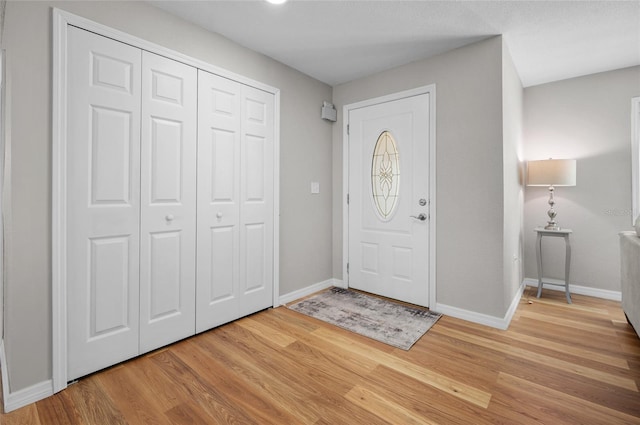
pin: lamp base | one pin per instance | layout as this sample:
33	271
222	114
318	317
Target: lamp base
552	224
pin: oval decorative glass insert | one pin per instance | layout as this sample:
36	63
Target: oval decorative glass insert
385	175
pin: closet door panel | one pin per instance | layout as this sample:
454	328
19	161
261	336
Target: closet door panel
108	285
103	202
256	208
219	151
164	263
168	201
223	243
110	150
235	200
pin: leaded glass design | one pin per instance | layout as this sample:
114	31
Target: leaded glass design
385	175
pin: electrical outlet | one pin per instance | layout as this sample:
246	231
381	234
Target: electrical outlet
315	188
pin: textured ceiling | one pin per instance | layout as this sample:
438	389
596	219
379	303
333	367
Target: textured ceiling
339	41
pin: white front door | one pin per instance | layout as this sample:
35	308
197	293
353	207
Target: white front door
235	200
168	201
389	199
103	202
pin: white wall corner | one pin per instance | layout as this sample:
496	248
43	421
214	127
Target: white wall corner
13	401
515	302
300	293
501	323
577	289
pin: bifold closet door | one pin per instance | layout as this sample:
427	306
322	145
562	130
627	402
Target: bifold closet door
168	202
169	196
103	202
235	200
131	202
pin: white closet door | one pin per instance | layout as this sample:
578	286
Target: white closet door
235	201
256	200
103	202
219	103
168	202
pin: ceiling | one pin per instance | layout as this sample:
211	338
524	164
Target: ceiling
339	41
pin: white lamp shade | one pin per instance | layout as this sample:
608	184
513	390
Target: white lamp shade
551	172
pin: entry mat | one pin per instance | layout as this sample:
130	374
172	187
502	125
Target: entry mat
386	321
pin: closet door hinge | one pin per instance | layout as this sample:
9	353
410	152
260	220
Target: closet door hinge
348	129
347	199
347	268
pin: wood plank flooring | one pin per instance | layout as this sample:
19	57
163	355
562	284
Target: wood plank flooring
557	364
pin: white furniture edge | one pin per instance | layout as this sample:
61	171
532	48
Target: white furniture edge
635	158
629	277
605	294
61	21
431	90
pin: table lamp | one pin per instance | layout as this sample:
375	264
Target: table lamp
551	172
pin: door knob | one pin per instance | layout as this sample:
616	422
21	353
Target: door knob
219	215
169	217
421	217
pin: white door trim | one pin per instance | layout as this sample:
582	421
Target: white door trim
431	90
61	21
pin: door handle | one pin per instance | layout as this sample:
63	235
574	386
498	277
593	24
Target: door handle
421	216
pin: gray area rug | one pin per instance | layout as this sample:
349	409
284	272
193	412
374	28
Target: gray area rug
385	321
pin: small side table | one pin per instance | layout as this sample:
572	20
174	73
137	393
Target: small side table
562	233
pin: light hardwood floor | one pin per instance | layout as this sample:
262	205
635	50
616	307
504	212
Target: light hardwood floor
557	364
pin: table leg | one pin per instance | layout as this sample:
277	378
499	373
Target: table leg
539	260
567	267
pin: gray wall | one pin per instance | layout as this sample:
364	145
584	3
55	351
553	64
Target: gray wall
469	171
589	119
306	222
512	155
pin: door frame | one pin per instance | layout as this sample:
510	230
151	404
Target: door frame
431	91
61	21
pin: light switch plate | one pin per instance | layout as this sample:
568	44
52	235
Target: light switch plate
315	187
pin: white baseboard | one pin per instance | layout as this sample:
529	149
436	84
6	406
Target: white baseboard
25	396
300	293
340	283
471	316
515	302
28	395
501	323
578	289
